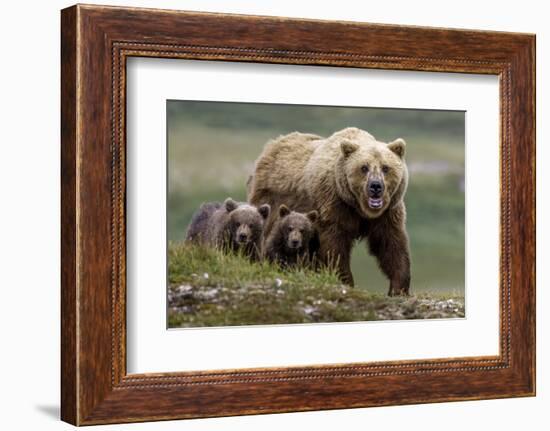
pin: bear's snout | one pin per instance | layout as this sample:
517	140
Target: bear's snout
375	193
243	234
294	239
375	188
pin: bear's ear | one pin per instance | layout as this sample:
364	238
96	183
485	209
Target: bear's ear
398	147
230	205
283	211
348	147
264	210
312	216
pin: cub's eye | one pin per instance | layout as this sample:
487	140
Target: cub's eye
385	169
364	169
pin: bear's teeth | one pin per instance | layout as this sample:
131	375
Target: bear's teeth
375	203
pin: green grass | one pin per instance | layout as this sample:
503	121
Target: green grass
210	288
188	264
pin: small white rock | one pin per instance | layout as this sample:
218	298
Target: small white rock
205	276
278	282
308	309
184	288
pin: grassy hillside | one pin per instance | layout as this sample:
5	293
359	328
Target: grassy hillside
212	148
209	288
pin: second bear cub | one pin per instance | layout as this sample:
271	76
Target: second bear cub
292	239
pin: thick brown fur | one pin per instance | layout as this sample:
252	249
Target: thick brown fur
335	176
293	239
230	226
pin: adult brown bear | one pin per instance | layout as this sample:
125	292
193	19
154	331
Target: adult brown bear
354	182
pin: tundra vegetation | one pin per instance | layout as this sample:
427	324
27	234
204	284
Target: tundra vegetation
236	291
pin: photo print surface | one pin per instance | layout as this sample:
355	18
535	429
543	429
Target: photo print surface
293	214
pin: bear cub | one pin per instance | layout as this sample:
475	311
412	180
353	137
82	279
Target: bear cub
293	238
230	226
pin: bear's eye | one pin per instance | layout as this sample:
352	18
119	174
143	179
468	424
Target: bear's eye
385	169
364	169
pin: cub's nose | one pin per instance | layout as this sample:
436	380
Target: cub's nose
376	188
295	243
243	237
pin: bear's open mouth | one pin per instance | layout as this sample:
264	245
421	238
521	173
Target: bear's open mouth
376	203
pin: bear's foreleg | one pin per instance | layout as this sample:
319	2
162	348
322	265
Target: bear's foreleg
335	252
389	243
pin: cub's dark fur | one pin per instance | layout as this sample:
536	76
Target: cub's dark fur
292	239
231	226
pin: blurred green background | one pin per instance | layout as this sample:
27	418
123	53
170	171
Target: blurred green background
212	147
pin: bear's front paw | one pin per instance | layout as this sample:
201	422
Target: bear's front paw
398	290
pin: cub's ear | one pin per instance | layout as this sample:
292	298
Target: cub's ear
230	205
348	148
398	147
312	216
283	211
264	210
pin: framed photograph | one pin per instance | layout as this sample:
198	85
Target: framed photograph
263	214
